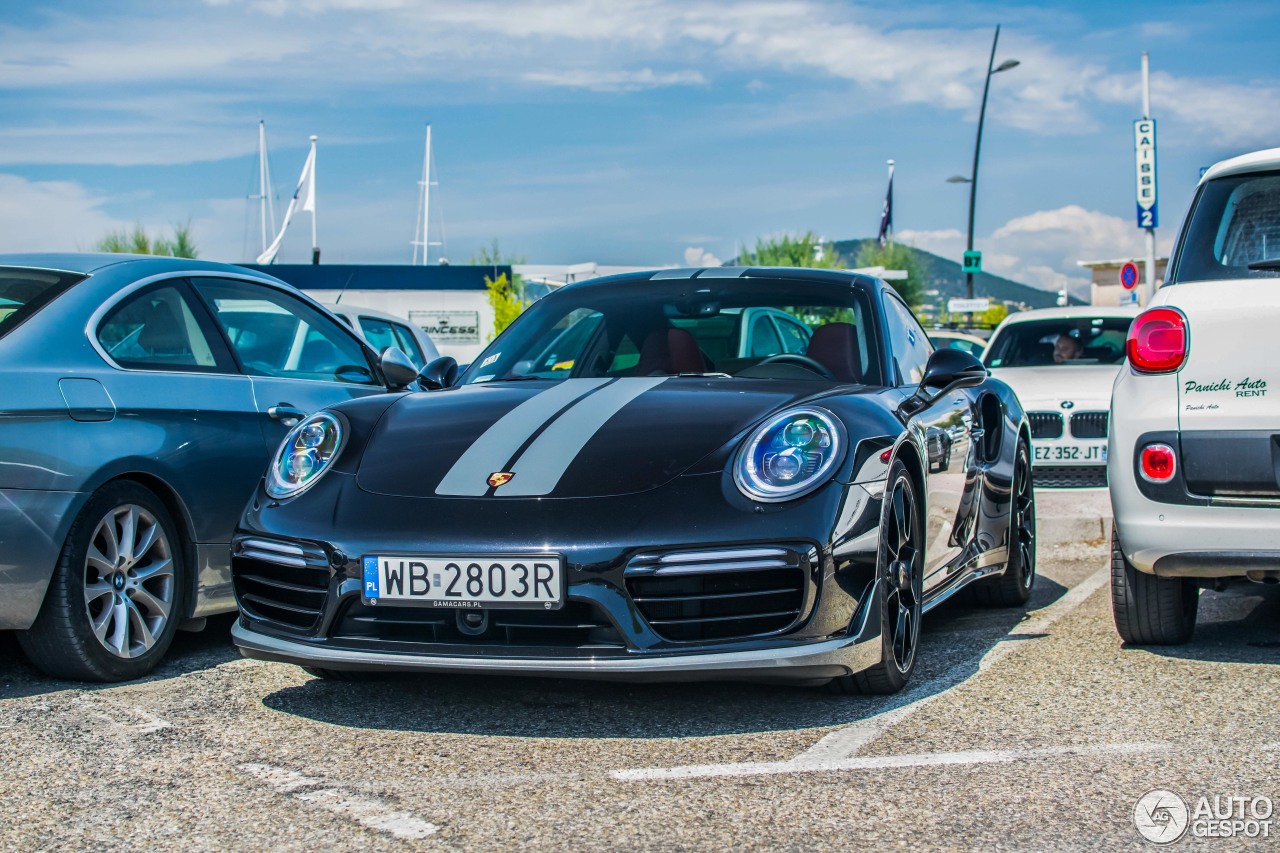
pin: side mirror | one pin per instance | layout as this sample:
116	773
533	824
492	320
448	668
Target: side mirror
949	369
397	369
946	370
439	373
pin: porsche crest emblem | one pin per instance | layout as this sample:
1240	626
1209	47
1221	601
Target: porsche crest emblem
500	478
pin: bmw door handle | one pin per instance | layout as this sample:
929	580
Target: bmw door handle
977	432
287	414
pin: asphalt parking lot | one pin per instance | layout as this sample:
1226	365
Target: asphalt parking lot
1035	732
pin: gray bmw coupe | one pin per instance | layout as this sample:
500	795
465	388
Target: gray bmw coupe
140	399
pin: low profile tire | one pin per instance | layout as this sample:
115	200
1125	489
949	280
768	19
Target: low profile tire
900	573
1012	588
117	594
1150	611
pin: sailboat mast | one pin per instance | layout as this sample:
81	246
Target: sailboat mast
262	180
422	227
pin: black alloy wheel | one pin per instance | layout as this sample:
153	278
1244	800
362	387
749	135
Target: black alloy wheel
901	582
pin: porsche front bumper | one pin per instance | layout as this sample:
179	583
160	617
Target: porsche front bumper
806	662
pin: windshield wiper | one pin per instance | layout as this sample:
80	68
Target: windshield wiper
1268	264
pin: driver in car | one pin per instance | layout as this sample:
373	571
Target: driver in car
1066	348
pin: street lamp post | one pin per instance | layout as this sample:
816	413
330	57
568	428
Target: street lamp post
972	180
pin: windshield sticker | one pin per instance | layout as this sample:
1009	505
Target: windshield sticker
1246	387
491	359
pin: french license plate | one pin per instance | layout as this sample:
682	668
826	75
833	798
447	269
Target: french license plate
465	582
1072	454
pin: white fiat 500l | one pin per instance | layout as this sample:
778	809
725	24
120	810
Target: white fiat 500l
1194	459
1062	363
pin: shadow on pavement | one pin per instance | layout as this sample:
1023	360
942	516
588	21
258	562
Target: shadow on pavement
190	652
954	639
1238	625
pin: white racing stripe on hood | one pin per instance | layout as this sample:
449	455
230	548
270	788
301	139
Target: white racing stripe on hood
495	447
539	469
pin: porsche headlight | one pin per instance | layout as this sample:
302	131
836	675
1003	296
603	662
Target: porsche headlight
304	455
790	455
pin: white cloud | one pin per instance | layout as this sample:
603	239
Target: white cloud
50	216
696	256
615	81
268	50
1042	248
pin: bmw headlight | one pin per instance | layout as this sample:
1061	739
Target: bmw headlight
304	455
790	455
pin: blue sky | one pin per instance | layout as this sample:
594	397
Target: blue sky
642	132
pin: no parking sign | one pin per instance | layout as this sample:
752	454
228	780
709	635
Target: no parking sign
1129	275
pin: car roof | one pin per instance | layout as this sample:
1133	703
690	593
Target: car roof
952	333
1254	161
87	263
361	311
1072	312
808	275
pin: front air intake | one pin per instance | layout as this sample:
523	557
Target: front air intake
281	582
719	594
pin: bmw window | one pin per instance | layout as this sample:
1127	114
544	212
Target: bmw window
1076	340
23	292
276	335
158	329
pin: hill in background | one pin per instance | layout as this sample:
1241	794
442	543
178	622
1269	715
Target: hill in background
947	277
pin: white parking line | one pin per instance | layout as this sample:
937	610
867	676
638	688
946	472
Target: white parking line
833	751
111	712
881	762
365	811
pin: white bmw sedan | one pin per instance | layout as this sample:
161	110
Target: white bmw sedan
1194	459
1062	363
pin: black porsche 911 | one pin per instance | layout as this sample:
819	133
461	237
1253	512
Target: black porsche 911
676	475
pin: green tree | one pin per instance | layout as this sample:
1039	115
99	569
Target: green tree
897	256
138	242
506	296
505	301
790	250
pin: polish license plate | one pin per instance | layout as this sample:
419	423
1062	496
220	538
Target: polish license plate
1071	454
465	582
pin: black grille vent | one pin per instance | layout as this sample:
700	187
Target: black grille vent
281	582
1045	424
1089	424
578	624
1069	476
692	596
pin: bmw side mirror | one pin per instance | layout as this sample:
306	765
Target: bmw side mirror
439	373
946	370
397	369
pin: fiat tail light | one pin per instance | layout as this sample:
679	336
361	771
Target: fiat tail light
1158	463
1157	341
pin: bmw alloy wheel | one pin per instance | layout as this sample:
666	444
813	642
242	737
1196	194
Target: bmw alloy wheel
129	581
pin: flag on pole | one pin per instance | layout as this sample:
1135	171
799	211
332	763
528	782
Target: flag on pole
304	198
886	215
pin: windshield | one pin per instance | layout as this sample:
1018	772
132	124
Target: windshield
731	327
1064	341
1234	222
23	292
